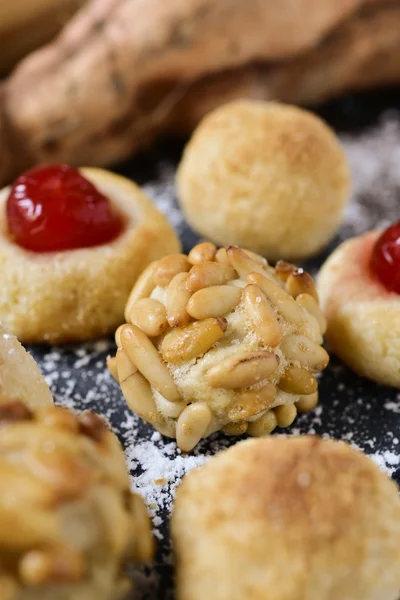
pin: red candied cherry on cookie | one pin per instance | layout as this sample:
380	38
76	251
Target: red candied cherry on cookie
385	258
53	207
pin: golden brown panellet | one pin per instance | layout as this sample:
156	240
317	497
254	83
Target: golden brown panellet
279	174
68	521
363	316
287	519
116	71
235	345
20	377
80	294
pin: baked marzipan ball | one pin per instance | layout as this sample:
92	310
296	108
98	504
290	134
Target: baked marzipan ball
220	340
68	522
267	176
79	294
363	315
20	376
287	519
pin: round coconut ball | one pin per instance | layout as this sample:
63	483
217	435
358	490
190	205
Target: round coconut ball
267	176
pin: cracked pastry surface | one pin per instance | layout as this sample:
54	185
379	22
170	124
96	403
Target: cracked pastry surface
20	376
270	177
363	316
68	521
220	340
80	294
287	519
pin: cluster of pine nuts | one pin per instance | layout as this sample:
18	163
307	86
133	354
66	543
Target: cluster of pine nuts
219	339
71	519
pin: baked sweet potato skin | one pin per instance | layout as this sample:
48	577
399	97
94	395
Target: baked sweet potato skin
28	24
116	75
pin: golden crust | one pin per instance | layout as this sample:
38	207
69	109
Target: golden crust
68	521
20	377
238	365
287	519
363	317
266	176
80	294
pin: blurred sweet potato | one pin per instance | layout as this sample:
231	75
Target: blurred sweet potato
123	71
27	24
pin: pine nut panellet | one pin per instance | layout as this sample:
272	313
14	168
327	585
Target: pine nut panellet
69	524
220	340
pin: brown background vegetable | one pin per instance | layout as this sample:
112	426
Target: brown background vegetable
27	24
123	71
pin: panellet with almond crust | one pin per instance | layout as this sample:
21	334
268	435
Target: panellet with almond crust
287	519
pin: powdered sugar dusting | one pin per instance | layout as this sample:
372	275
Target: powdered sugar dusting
374	158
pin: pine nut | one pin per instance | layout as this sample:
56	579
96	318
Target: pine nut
177	298
307	353
243	263
297	380
281	300
168	267
112	366
208	274
143	287
252	402
146	358
169	410
185	343
150	316
202	252
136	390
39	567
283	269
167	428
285	414
312	306
261	315
264	425
235	428
301	282
242	369
213	301
118	336
307	403
256	257
192	425
310	328
222	258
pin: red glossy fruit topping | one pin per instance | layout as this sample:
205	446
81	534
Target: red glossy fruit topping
385	259
53	207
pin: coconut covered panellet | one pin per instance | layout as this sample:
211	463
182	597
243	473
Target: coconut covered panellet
299	518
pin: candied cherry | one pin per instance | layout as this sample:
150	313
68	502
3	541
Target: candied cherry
385	258
53	208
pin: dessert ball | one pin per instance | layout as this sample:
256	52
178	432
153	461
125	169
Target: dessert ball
266	176
68	522
220	340
363	312
62	280
20	376
297	519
